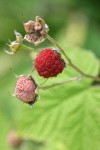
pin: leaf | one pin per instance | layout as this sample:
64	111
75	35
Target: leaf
73	119
86	61
67	113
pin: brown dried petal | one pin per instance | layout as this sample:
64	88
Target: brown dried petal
29	25
36	31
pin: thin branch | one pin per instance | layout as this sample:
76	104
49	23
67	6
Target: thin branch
60	83
84	74
62	51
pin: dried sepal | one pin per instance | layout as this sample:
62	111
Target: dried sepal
36	31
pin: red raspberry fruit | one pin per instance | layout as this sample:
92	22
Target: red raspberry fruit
25	89
49	63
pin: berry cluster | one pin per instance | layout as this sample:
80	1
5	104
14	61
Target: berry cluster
48	62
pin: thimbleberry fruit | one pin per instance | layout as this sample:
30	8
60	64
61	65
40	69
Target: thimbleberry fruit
49	63
26	89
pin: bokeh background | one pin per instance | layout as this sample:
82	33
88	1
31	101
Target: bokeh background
72	22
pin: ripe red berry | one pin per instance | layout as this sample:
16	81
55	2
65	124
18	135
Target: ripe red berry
49	63
25	89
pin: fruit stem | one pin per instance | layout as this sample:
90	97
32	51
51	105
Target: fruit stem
27	47
60	83
70	63
62	51
84	74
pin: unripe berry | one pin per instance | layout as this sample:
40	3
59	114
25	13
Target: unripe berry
26	89
49	63
14	140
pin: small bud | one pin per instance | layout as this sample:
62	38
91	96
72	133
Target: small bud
14	140
36	31
26	89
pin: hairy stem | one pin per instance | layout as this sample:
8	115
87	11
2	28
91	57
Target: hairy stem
70	62
60	83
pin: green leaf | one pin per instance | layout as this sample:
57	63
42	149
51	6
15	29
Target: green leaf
84	60
67	113
72	117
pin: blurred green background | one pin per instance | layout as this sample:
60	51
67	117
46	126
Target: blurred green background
58	14
71	22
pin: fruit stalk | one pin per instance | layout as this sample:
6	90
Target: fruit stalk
60	83
70	63
27	47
